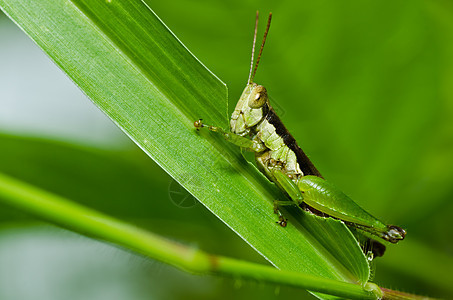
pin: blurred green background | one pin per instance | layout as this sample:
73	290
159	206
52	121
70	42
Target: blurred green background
364	86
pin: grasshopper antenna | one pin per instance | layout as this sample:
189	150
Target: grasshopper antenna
252	74
253	47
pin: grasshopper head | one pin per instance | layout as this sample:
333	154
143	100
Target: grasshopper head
249	110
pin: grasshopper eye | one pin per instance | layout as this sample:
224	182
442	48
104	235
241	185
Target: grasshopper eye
258	97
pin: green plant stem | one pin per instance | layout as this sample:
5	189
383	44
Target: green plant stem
86	221
397	295
225	265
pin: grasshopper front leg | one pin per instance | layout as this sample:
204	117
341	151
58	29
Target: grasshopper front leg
233	138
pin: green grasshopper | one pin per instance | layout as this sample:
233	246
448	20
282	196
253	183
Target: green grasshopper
255	126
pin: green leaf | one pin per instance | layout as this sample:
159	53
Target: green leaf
136	71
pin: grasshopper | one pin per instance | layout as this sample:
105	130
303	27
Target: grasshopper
255	126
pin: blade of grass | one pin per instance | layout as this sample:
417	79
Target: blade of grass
133	68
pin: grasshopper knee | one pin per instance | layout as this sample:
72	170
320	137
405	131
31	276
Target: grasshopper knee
394	234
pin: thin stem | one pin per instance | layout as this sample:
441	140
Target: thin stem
397	295
86	221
